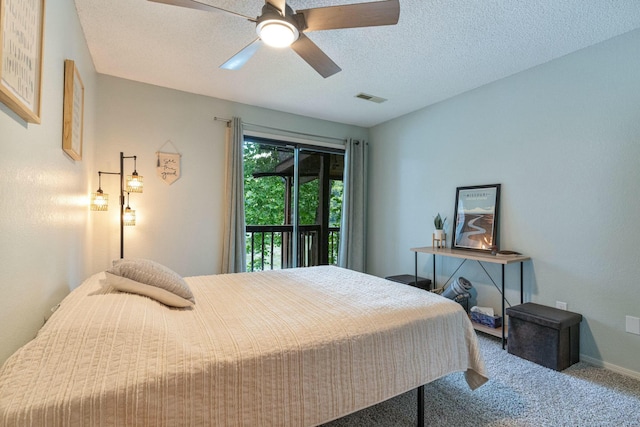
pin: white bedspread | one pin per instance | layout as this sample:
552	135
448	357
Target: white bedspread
283	348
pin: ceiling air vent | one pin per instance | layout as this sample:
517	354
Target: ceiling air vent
371	98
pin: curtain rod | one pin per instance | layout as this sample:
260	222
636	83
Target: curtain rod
221	119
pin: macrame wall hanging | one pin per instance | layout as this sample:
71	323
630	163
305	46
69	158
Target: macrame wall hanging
168	166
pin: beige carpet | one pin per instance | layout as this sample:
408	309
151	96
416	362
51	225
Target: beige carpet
519	393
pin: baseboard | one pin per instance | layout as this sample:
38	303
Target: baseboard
610	366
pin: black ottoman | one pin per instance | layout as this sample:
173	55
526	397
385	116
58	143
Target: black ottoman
410	279
545	335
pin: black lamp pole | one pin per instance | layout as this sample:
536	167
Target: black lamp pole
121	205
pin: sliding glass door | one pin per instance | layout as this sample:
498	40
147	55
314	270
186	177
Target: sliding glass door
293	203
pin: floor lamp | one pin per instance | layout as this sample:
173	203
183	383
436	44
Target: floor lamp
133	184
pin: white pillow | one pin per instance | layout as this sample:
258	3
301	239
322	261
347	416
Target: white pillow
148	278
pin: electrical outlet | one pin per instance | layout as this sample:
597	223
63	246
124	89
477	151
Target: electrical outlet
561	305
633	325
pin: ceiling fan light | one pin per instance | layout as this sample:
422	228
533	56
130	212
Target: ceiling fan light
277	33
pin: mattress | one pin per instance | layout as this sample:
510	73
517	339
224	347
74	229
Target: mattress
296	347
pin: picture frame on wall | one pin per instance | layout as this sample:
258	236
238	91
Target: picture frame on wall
476	218
73	111
21	48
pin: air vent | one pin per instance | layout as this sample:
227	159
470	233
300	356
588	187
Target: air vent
371	98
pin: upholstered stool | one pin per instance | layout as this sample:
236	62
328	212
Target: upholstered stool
410	279
545	335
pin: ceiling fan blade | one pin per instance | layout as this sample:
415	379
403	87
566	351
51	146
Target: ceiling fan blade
239	59
352	15
278	4
193	4
314	56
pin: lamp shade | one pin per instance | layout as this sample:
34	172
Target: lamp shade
99	201
129	217
134	183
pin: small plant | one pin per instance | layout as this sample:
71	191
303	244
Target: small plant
438	222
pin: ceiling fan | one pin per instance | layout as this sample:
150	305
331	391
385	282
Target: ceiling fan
280	26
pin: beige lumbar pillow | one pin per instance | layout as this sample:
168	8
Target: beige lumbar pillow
148	278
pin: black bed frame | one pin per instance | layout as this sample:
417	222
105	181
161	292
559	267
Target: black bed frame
421	406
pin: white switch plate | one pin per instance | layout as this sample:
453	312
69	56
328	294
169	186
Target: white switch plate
633	325
561	305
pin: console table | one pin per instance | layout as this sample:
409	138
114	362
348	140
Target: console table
480	257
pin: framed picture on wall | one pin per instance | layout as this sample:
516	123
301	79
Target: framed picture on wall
21	46
73	111
476	218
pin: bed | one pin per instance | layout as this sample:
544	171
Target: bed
296	347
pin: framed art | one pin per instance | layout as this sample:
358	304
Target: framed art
476	218
21	46
73	111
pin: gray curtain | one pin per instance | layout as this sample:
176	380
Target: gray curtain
234	257
353	227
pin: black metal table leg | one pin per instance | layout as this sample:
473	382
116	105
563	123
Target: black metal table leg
416	268
503	319
521	284
434	285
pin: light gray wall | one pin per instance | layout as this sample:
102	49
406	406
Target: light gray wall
563	139
43	216
50	240
179	225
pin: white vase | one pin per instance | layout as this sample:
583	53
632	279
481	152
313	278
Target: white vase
438	234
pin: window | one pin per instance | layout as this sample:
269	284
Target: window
293	204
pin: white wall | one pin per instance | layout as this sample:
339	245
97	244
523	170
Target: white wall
180	225
563	139
43	214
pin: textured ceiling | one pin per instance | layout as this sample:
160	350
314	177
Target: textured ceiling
440	48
